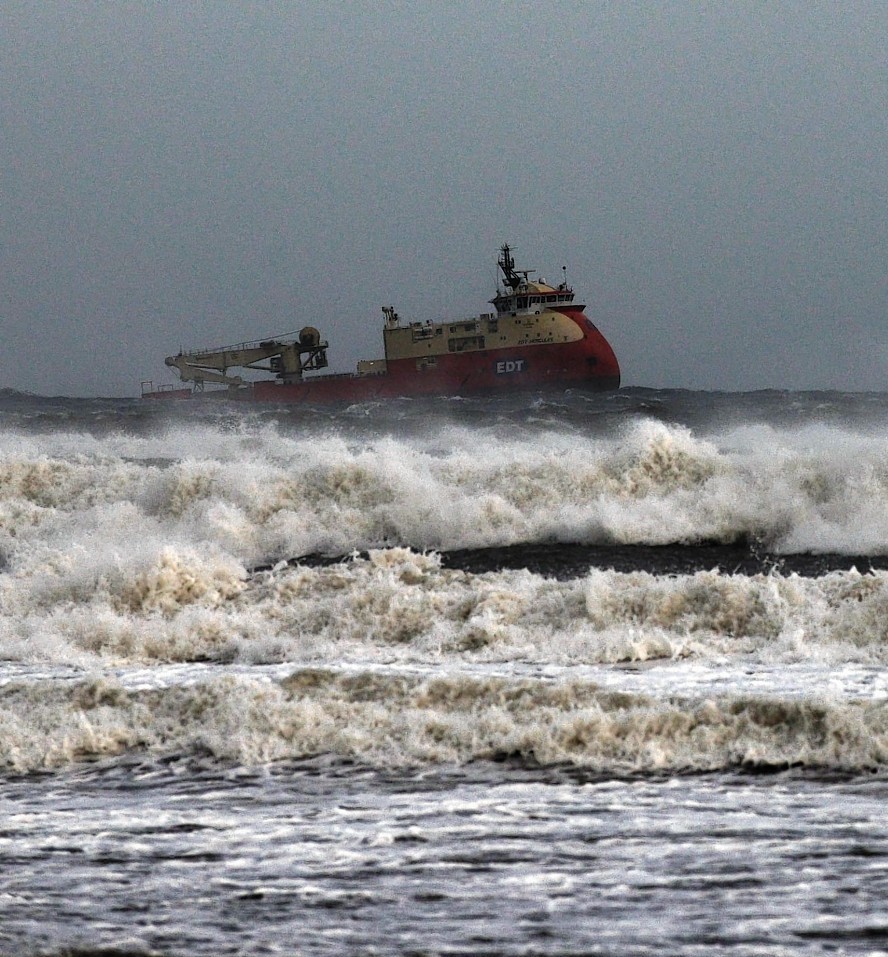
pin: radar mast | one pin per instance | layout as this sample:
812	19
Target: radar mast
507	264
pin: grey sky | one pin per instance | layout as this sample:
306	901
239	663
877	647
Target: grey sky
713	175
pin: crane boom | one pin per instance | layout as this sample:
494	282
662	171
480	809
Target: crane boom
284	357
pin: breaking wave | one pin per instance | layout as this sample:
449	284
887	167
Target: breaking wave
264	495
393	720
439	666
132	617
398	605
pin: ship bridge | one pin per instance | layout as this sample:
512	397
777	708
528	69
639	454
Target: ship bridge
523	295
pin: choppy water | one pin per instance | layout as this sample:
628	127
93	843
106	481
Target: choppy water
594	675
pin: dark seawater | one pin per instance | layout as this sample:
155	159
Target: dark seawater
528	675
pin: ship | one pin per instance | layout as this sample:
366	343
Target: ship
537	338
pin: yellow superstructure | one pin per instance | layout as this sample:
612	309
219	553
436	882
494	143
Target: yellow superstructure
417	340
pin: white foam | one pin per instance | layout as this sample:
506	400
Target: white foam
192	603
391	719
122	552
266	494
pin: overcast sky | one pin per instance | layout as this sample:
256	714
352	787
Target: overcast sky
712	174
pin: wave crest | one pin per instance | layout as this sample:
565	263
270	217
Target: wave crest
397	720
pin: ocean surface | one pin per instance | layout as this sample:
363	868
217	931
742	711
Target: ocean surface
538	675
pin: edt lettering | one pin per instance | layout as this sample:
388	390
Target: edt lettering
505	366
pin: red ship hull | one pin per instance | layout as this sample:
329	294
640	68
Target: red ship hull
589	364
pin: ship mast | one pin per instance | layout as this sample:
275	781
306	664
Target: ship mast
507	264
